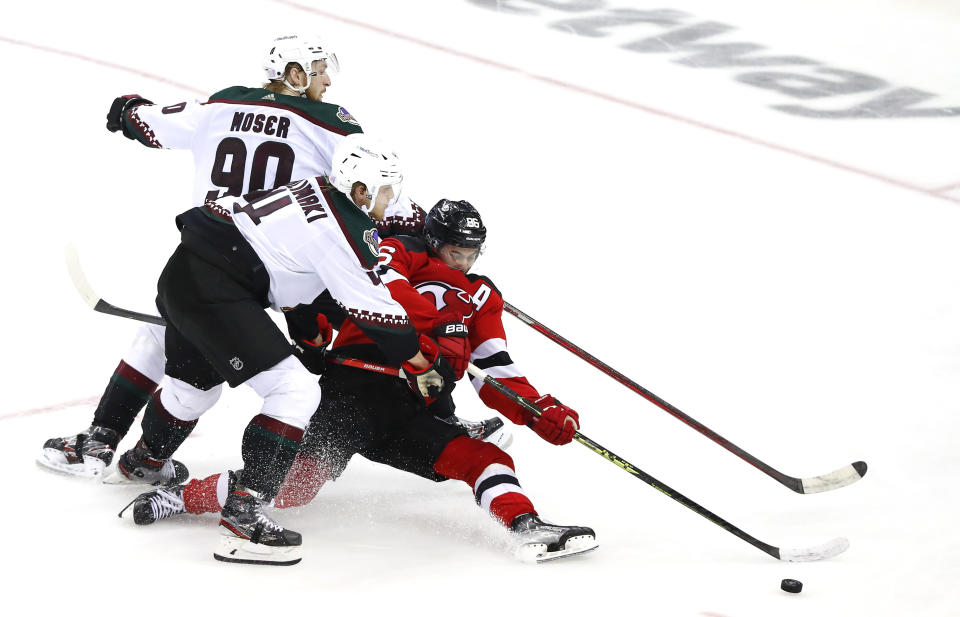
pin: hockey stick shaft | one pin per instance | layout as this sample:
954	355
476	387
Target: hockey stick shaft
828	550
93	300
836	479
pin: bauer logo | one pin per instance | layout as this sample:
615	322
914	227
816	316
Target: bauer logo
236	363
346	116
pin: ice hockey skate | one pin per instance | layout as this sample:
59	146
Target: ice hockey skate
541	541
85	455
139	465
491	430
247	535
152	506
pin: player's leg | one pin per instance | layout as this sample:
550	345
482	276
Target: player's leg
193	387
490	472
135	379
322	457
270	444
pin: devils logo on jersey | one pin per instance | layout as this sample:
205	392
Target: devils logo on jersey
445	295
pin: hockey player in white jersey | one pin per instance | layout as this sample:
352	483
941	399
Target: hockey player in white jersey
243	140
238	256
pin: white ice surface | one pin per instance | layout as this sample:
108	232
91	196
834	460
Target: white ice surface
790	282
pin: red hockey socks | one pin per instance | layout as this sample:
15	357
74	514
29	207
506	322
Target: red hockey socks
200	496
302	483
489	471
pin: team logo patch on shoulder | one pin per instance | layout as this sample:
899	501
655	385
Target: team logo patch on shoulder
372	240
346	116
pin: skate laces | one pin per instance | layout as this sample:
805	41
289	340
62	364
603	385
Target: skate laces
164	503
266	522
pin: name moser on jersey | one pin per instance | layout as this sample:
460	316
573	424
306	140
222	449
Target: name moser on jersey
243	139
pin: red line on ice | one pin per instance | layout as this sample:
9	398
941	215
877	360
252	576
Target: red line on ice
628	103
949	187
105	63
90	400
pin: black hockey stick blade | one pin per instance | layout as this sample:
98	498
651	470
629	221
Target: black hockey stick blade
815	484
93	300
813	553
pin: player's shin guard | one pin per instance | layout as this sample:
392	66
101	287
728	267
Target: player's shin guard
489	472
125	395
269	449
163	432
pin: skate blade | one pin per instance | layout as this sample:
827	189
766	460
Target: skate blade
234	549
53	460
537	552
502	438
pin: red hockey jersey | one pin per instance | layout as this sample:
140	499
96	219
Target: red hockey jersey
433	293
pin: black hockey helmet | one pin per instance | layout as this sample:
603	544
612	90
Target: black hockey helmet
454	222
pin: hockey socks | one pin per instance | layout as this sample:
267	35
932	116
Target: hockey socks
163	432
202	496
269	449
489	472
127	392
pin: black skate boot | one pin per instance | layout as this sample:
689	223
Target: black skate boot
490	430
542	541
84	455
139	465
152	506
248	535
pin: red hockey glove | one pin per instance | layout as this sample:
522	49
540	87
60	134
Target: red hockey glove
120	105
434	381
558	422
452	337
311	353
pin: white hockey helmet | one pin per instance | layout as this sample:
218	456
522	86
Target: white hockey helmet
361	158
301	49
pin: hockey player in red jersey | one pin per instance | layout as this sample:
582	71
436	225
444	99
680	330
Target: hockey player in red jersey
243	140
366	409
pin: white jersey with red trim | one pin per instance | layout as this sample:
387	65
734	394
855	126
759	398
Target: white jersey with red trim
432	293
245	139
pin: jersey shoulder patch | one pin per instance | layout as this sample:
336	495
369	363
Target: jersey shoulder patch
329	116
473	278
358	228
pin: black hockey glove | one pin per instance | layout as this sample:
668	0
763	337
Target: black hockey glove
442	407
313	357
436	380
312	353
120	105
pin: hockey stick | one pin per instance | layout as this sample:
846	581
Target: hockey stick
814	553
816	484
92	299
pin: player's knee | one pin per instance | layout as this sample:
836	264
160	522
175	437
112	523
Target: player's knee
146	354
465	459
185	402
293	399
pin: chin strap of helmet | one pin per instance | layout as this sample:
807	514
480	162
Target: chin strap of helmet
301	91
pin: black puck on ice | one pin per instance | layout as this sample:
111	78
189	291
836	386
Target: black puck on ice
790	585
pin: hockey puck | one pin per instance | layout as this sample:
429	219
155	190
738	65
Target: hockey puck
790	585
